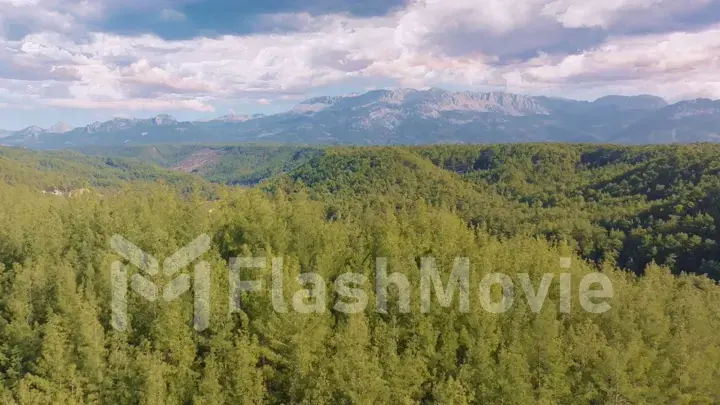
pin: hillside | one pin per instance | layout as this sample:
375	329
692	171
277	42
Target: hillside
230	164
67	170
71	334
631	205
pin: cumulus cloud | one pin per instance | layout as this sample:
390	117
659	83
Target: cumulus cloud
20	17
606	13
539	46
675	65
31	70
143	74
637	57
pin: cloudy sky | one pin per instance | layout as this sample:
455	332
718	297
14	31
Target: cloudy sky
86	60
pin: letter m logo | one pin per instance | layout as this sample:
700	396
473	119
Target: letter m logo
149	290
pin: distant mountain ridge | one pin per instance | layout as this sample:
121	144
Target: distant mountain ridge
641	102
409	116
232	117
687	121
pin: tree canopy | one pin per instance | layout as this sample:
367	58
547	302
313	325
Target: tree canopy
645	217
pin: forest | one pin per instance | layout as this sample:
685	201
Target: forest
646	217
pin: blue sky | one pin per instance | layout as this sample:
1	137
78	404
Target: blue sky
85	60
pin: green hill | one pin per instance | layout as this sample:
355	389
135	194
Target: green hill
67	170
76	329
232	164
631	204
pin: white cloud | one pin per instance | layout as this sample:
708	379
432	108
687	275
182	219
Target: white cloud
143	73
605	13
31	16
133	104
425	19
674	65
410	47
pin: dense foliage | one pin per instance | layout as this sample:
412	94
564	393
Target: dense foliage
509	209
66	171
236	164
635	205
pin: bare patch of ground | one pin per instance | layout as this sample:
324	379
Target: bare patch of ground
198	160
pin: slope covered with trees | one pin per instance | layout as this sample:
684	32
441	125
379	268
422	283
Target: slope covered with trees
67	171
657	344
634	205
508	209
233	164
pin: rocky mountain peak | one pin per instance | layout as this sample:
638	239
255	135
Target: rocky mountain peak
232	117
432	101
116	124
163	119
396	96
692	108
316	104
60	128
30	133
33	129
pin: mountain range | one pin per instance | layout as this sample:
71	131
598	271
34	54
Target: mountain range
408	116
